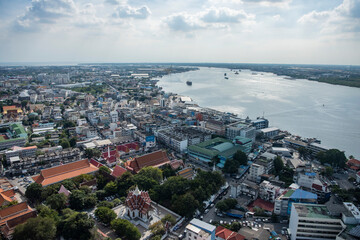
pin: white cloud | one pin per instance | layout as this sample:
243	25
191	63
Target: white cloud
225	15
44	12
210	18
343	19
183	22
126	11
270	3
87	17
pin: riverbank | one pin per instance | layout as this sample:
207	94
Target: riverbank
305	108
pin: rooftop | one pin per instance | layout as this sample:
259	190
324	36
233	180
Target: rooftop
66	171
312	211
203	225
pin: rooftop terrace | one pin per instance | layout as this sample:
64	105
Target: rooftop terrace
312	211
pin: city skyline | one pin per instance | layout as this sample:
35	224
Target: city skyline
255	31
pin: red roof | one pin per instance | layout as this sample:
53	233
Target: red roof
96	163
118	171
138	200
353	162
105	155
10	225
155	159
66	171
260	203
226	234
175	164
317	186
6	196
13	211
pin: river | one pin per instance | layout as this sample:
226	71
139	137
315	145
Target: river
306	108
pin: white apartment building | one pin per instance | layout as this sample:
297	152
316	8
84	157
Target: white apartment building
313	222
268	191
114	116
199	230
255	172
270	132
351	215
195	233
240	129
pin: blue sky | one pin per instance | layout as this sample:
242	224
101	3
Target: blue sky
253	31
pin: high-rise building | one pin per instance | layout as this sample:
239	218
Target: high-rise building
313	222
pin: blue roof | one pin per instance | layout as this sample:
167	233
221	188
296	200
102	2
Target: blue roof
311	174
301	194
203	225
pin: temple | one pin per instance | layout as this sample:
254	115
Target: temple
138	205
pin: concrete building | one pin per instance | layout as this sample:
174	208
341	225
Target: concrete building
21	152
288	197
313	222
315	148
351	215
240	129
179	138
223	148
268	191
270	132
246	188
199	230
255	171
260	123
216	126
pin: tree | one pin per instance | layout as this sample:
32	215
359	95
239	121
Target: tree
241	157
64	143
302	151
328	171
151	172
185	204
33	192
144	182
334	157
226	204
110	188
38	228
69	124
73	142
286	175
75	225
278	165
157	228
125	229
215	160
221	205
231	166
90	201
105	204
57	201
45	211
90	153
167	171
105	214
77	200
235	226
24	103
168	218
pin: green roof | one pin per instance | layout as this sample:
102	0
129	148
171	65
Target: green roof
312	211
216	146
289	193
230	152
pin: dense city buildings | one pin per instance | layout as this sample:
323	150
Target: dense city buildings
107	142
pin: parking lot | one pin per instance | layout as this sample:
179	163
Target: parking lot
21	183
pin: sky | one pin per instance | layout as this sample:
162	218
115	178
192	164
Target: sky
230	31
